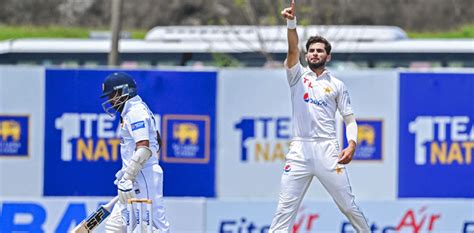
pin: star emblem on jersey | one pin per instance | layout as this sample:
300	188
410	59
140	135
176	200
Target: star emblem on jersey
338	170
327	90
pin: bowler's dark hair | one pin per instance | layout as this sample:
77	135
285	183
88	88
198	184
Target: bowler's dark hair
319	39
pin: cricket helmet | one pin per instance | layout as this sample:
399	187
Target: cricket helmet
118	87
119	81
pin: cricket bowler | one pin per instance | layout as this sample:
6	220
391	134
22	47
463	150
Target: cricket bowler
314	152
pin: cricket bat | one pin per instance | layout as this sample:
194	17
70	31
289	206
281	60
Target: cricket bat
97	217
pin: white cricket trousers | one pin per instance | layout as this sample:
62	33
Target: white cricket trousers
308	158
150	184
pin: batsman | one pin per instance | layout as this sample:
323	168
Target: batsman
140	176
316	95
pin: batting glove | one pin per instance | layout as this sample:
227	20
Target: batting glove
125	190
118	176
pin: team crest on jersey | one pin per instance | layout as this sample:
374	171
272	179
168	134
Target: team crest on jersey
327	90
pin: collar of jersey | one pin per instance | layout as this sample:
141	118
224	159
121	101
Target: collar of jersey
324	74
129	103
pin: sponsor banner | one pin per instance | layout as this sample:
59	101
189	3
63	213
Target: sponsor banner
14	135
190	215
21	131
324	217
255	129
82	144
254	132
59	215
436	135
369	140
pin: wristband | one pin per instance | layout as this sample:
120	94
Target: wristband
291	23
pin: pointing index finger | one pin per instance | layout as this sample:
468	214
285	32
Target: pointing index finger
292	5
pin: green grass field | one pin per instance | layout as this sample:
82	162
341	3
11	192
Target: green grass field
16	32
466	31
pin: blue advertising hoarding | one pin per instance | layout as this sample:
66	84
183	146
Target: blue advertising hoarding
82	147
436	135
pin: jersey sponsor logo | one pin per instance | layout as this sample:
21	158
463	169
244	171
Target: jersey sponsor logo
186	138
264	139
307	82
14	136
138	125
287	168
88	137
311	100
369	140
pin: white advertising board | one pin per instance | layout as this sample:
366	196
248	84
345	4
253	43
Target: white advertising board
253	130
21	105
324	217
254	127
62	214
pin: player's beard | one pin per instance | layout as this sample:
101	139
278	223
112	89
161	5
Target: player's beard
316	65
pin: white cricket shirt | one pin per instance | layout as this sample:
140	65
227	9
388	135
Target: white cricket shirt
138	123
315	101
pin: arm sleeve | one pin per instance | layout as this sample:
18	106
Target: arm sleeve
293	74
344	101
351	128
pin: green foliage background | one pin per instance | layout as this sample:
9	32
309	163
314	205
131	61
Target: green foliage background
17	32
